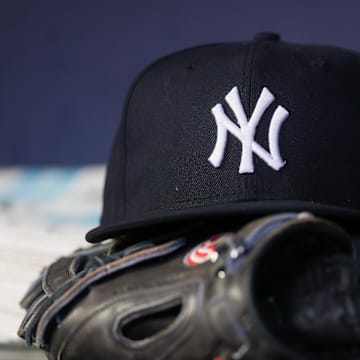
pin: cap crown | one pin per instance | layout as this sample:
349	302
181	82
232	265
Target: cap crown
236	126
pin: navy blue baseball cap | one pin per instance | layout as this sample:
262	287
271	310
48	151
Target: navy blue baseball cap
236	129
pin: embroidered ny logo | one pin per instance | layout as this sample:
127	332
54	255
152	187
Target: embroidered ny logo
245	131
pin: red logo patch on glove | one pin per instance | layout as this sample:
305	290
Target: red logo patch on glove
202	252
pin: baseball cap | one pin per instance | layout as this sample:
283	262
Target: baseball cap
241	129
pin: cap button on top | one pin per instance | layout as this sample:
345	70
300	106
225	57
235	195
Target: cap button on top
267	36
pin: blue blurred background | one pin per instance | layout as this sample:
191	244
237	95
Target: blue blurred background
65	66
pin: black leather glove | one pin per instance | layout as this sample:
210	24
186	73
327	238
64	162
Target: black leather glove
283	287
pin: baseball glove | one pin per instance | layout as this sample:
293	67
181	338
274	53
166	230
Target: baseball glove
283	287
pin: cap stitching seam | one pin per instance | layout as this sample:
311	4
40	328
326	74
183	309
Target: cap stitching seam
189	200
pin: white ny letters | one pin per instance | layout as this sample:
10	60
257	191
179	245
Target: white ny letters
246	129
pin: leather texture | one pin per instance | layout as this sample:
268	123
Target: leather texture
146	302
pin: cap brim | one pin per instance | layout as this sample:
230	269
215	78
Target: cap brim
244	209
